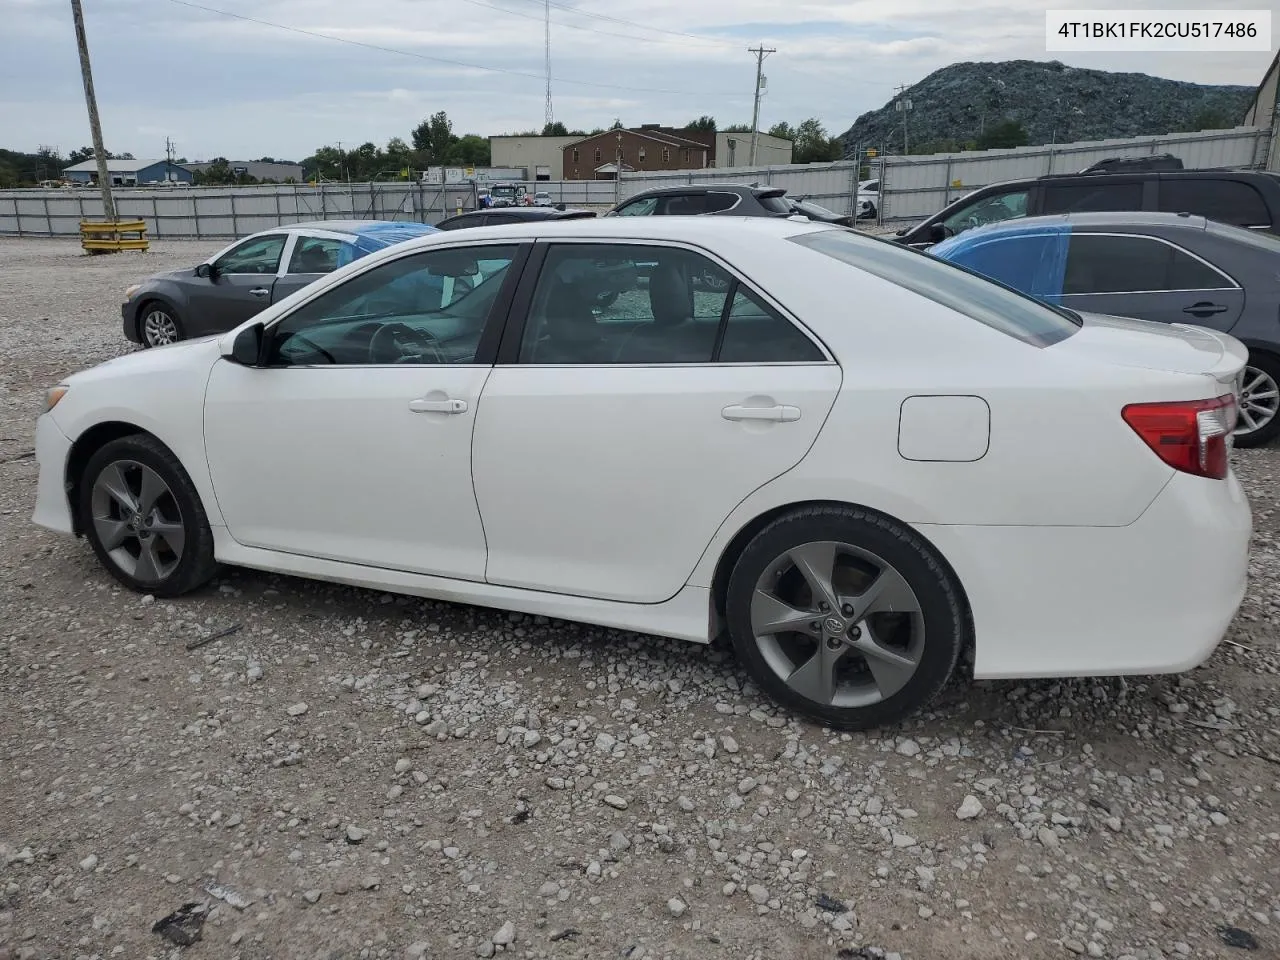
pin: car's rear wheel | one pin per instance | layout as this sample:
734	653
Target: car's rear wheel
158	325
144	518
1259	402
845	616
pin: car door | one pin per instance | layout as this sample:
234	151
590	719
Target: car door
240	282
1150	278
313	256
617	433
351	441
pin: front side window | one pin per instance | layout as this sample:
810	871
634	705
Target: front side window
1228	201
316	255
638	208
969	294
629	304
990	209
1095	195
257	255
426	308
1101	263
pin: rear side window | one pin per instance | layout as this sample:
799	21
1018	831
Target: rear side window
1096	195
1098	263
970	294
1230	201
720	201
774	204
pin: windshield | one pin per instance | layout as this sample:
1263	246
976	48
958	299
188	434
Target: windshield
964	291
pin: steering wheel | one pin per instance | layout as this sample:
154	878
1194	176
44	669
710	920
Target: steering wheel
395	343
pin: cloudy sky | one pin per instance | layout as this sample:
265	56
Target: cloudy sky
219	85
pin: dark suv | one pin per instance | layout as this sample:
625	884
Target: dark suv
1243	198
693	199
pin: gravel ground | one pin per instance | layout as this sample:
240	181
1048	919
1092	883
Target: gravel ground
353	774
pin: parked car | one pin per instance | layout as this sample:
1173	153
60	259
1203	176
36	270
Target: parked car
1244	198
508	215
1172	268
1054	492
868	198
249	275
692	199
1133	164
542	199
801	207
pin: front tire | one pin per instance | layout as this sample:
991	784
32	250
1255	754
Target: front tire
144	518
159	324
845	616
1259	402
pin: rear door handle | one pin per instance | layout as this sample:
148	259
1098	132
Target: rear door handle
1205	309
259	291
438	406
778	413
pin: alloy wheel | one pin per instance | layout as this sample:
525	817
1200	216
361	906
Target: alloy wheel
159	328
1259	400
838	625
137	520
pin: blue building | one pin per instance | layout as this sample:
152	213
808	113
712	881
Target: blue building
129	173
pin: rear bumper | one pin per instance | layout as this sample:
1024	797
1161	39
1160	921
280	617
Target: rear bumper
53	510
1156	596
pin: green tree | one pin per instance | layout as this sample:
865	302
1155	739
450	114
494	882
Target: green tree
1009	133
471	150
704	123
738	128
399	155
783	130
812	145
555	129
617	124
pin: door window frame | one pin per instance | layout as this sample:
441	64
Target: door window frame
521	305
286	252
490	337
1232	284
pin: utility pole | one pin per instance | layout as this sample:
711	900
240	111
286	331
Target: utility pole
95	127
546	25
168	159
761	52
903	106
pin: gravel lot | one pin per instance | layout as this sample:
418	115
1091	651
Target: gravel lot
363	775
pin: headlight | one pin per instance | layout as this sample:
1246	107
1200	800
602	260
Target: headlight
128	294
53	395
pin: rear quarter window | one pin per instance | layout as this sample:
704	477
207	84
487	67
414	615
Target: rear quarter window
1230	201
970	294
775	204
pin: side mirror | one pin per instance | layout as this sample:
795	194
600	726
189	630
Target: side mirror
937	233
205	270
246	349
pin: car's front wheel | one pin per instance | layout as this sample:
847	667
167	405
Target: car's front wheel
1259	419
845	616
144	519
158	325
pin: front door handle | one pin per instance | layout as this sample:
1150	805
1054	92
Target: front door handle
259	291
438	406
778	413
1205	309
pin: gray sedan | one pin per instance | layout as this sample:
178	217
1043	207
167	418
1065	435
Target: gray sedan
249	275
1168	267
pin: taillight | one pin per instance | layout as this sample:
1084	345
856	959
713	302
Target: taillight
1193	436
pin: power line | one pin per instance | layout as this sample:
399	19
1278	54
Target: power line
431	59
570	26
631	23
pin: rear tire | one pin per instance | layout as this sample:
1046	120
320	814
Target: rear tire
144	519
1259	401
882	648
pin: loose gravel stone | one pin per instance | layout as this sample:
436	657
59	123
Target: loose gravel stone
970	808
676	907
297	709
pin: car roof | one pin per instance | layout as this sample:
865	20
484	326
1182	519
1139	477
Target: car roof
674	229
531	213
1122	220
357	228
687	187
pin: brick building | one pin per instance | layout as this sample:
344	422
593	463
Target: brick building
647	148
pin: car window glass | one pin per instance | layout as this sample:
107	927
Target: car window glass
315	255
1095	195
872	186
990	209
682	205
756	333
493	219
1017	262
638	208
425	308
1113	264
622	303
969	294
775	204
715	202
1229	201
260	255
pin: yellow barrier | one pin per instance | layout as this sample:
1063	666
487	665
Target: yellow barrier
110	236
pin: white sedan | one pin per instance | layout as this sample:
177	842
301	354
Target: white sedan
855	459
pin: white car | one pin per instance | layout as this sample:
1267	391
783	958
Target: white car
542	199
868	198
856	459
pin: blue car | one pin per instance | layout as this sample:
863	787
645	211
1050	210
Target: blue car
1162	267
242	279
